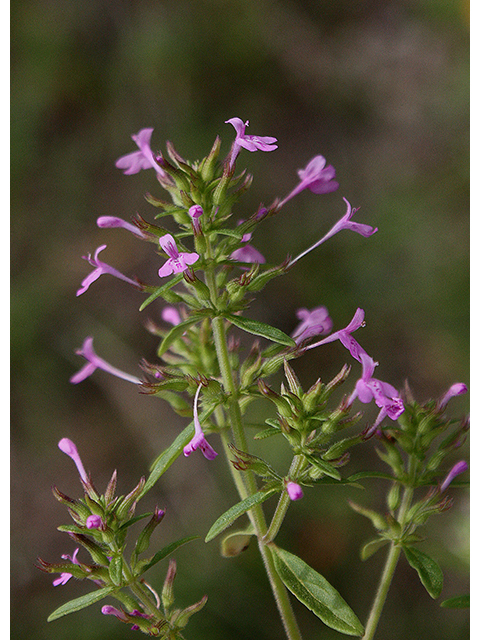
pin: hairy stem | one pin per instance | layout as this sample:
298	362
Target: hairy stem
388	571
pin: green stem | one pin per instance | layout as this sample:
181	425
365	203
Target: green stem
388	571
249	487
246	485
284	501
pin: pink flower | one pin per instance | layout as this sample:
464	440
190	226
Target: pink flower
65	577
294	491
111	222
247	253
314	323
94	522
177	261
195	212
250	143
385	395
345	222
171	315
199	440
67	446
138	160
457	389
100	269
344	335
316	176
457	469
95	362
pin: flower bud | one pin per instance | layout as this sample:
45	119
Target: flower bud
294	491
167	591
143	540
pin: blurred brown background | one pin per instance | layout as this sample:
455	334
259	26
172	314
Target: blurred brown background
380	88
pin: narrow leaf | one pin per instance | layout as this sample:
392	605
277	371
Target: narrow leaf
229	517
372	547
166	551
168	457
161	290
429	572
325	467
316	593
80	603
459	602
260	329
176	332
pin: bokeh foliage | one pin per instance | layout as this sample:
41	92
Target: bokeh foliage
381	90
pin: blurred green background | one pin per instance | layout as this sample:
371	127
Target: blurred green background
380	88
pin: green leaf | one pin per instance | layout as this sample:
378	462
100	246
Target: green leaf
316	593
430	574
176	332
267	433
234	543
166	551
459	602
325	467
372	547
229	517
80	603
168	457
370	474
161	290
260	329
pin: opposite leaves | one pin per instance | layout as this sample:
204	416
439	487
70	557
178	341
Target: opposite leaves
316	593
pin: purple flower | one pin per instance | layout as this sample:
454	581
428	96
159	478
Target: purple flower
171	315
364	230
138	160
108	610
94	522
294	491
100	269
457	389
317	177
95	362
314	323
177	262
385	395
457	469
199	440
195	212
247	253
344	335
250	143
69	447
111	222
65	577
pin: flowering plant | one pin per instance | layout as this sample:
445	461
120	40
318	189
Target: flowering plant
208	273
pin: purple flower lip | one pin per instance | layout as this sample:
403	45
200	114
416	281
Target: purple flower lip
199	441
316	177
345	222
65	577
250	143
143	159
356	351
314	323
100	269
177	262
95	362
